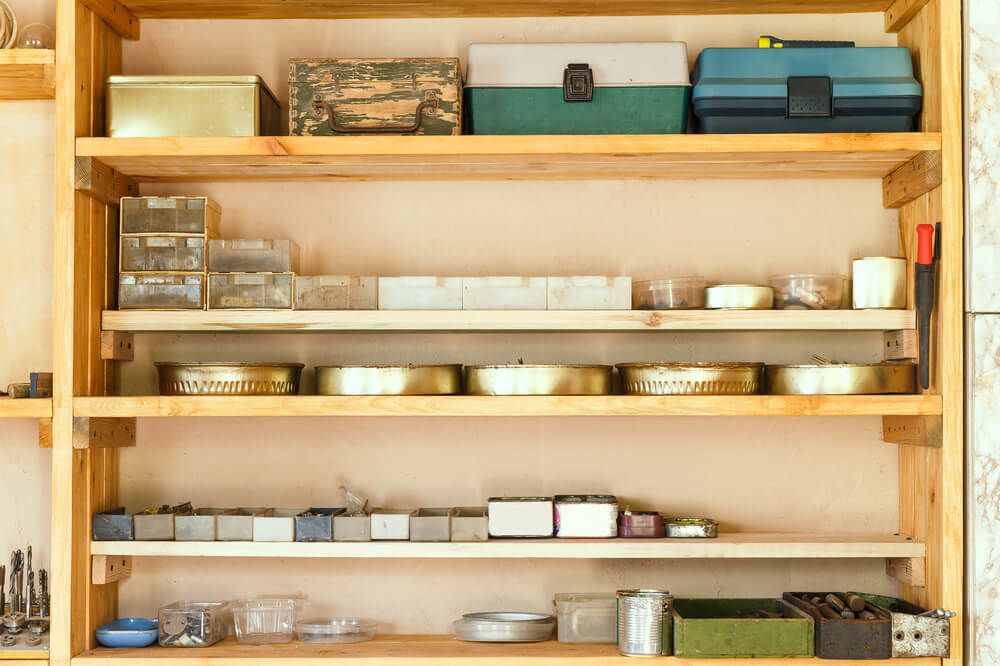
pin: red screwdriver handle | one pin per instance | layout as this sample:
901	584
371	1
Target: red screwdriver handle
925	244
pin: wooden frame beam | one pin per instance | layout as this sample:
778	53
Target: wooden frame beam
899	345
909	570
913	430
104	433
912	180
900	12
116	15
117	346
102	182
110	568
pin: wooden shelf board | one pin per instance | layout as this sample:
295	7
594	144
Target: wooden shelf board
733	545
339	9
27	74
374	321
508	157
427	651
25	408
614	405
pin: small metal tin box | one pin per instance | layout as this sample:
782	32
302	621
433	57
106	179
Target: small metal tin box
40	385
112	525
336	292
521	517
277	525
431	525
504	293
253	256
914	635
163	254
250	291
879	283
391	524
586	516
237	526
589	292
691	528
470	523
198	526
352	528
170	215
846	639
161	291
420	293
641	525
740	629
315	525
151	106
154	526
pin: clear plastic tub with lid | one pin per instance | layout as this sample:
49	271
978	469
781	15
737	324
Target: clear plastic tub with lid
194	623
682	293
808	291
336	630
265	620
586	618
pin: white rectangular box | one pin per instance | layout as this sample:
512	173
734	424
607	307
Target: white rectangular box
199	526
238	526
586	516
420	293
504	293
521	517
335	292
590	292
279	526
391	524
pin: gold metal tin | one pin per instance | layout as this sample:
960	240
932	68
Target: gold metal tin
690	378
538	379
739	297
229	378
841	379
154	106
879	283
389	380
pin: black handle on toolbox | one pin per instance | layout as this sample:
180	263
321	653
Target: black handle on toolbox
772	42
320	105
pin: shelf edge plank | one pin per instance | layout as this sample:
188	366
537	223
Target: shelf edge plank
25	408
389	321
27	74
460	406
186	159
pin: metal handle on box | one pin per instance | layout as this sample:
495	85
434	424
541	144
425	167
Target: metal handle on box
320	106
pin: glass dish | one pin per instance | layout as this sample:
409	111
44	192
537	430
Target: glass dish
808	291
265	621
336	630
683	293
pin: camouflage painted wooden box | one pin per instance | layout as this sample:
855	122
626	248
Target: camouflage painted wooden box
741	628
342	96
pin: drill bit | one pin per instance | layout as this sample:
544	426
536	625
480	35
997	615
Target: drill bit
3	590
43	592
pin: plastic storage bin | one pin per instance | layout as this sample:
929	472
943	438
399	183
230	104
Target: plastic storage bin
420	293
683	293
253	256
336	292
161	291
163	253
590	292
250	291
194	623
805	90
336	630
170	215
586	618
623	88
809	292
504	293
264	621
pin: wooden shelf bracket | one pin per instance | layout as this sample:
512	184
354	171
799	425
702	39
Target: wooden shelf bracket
117	346
912	179
913	430
102	182
908	570
116	15
103	433
110	568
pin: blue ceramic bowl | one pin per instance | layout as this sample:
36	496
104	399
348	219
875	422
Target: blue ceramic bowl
129	632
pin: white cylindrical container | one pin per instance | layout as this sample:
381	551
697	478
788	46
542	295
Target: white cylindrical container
586	516
879	283
645	623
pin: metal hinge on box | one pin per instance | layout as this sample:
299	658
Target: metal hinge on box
810	97
578	83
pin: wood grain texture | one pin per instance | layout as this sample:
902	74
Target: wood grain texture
116	15
333	9
509	157
103	433
900	12
117	346
102	182
726	546
110	568
27	74
918	176
912	430
615	405
429	651
374	321
25	408
910	571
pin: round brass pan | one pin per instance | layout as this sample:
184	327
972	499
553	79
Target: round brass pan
538	379
229	378
389	379
840	379
690	378
739	297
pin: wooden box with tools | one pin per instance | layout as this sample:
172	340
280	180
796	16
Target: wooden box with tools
847	625
741	628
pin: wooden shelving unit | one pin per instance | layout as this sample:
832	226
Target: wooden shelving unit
522	157
27	74
427	651
510	406
26	408
386	321
921	174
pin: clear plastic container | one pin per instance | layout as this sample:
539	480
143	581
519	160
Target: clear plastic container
194	623
336	630
170	215
250	291
808	291
683	293
264	621
336	292
504	627
586	618
163	253
161	291
253	256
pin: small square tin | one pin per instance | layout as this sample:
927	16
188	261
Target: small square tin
276	526
315	524
198	526
154	526
237	526
112	525
470	523
352	528
431	525
391	524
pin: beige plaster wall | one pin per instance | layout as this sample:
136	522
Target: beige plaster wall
822	475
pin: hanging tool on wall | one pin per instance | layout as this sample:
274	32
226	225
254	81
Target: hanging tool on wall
928	254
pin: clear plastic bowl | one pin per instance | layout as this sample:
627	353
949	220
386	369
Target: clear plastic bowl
504	627
808	291
263	621
587	618
683	293
336	630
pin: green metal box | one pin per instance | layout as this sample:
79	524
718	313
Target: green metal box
741	628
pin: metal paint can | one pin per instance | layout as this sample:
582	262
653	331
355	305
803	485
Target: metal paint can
879	283
645	623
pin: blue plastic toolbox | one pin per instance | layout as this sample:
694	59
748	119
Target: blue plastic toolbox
842	89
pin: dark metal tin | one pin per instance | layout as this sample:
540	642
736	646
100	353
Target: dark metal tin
112	525
640	525
846	639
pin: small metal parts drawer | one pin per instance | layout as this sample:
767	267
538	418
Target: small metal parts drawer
253	256
170	215
163	254
250	291
161	291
